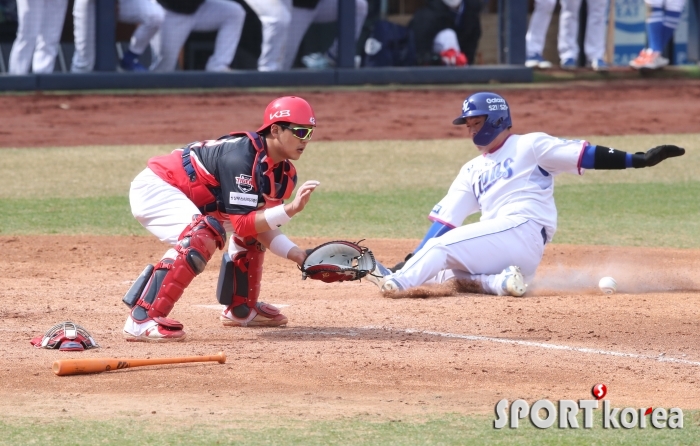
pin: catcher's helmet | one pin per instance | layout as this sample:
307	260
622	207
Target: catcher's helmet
290	109
497	113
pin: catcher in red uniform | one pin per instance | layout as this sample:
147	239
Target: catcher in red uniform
192	197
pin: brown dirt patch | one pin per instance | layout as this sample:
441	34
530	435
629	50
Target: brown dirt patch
572	109
347	350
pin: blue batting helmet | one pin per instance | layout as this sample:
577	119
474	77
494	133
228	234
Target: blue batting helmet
497	113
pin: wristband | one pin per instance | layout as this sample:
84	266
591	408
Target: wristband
276	216
281	245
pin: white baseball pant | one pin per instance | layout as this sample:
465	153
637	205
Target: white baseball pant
594	41
147	13
325	12
446	40
537	28
38	36
477	251
164	211
276	18
223	15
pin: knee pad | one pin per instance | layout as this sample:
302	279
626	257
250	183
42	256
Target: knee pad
160	287
239	279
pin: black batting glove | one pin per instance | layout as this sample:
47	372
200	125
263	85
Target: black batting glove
654	156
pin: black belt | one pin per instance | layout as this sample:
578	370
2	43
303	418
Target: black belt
544	235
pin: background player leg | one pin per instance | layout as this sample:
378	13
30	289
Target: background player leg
83	36
276	18
149	16
537	34
594	42
29	15
302	18
169	40
49	37
227	17
568	33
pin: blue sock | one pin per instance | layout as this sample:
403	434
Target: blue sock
655	29
669	25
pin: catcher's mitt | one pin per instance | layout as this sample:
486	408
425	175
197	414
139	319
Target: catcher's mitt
65	336
338	261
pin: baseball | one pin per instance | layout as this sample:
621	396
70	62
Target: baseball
607	285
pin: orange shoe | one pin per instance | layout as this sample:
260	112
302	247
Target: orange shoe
649	59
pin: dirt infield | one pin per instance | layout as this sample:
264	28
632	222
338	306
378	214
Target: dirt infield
572	109
348	351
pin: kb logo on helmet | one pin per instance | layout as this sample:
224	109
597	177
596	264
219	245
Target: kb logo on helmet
279	114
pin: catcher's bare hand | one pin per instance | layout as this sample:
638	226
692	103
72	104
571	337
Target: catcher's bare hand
297	255
301	199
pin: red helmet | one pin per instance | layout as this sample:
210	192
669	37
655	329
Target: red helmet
290	109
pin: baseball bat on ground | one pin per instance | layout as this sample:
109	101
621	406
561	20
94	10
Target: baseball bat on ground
65	367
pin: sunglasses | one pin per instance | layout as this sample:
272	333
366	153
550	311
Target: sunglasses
299	132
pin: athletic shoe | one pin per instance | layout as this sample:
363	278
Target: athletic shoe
648	59
389	285
568	64
377	275
168	330
130	62
317	61
536	61
599	65
512	282
263	315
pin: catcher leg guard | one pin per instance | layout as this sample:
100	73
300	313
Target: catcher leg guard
239	287
168	280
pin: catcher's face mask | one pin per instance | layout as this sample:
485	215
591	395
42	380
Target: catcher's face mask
65	336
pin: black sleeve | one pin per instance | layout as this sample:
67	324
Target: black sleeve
234	173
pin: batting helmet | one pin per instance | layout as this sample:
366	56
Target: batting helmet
497	113
290	109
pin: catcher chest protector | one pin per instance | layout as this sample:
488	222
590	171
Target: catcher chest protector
158	288
276	181
239	277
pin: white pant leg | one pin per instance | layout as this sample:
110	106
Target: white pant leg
227	17
29	14
446	40
161	208
50	36
302	18
596	32
276	18
148	14
169	40
486	247
537	28
83	36
568	29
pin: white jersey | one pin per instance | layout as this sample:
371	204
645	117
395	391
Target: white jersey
516	180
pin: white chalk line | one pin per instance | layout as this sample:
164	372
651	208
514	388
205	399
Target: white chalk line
660	358
221	307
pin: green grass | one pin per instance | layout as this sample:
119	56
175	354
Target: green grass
368	189
445	430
